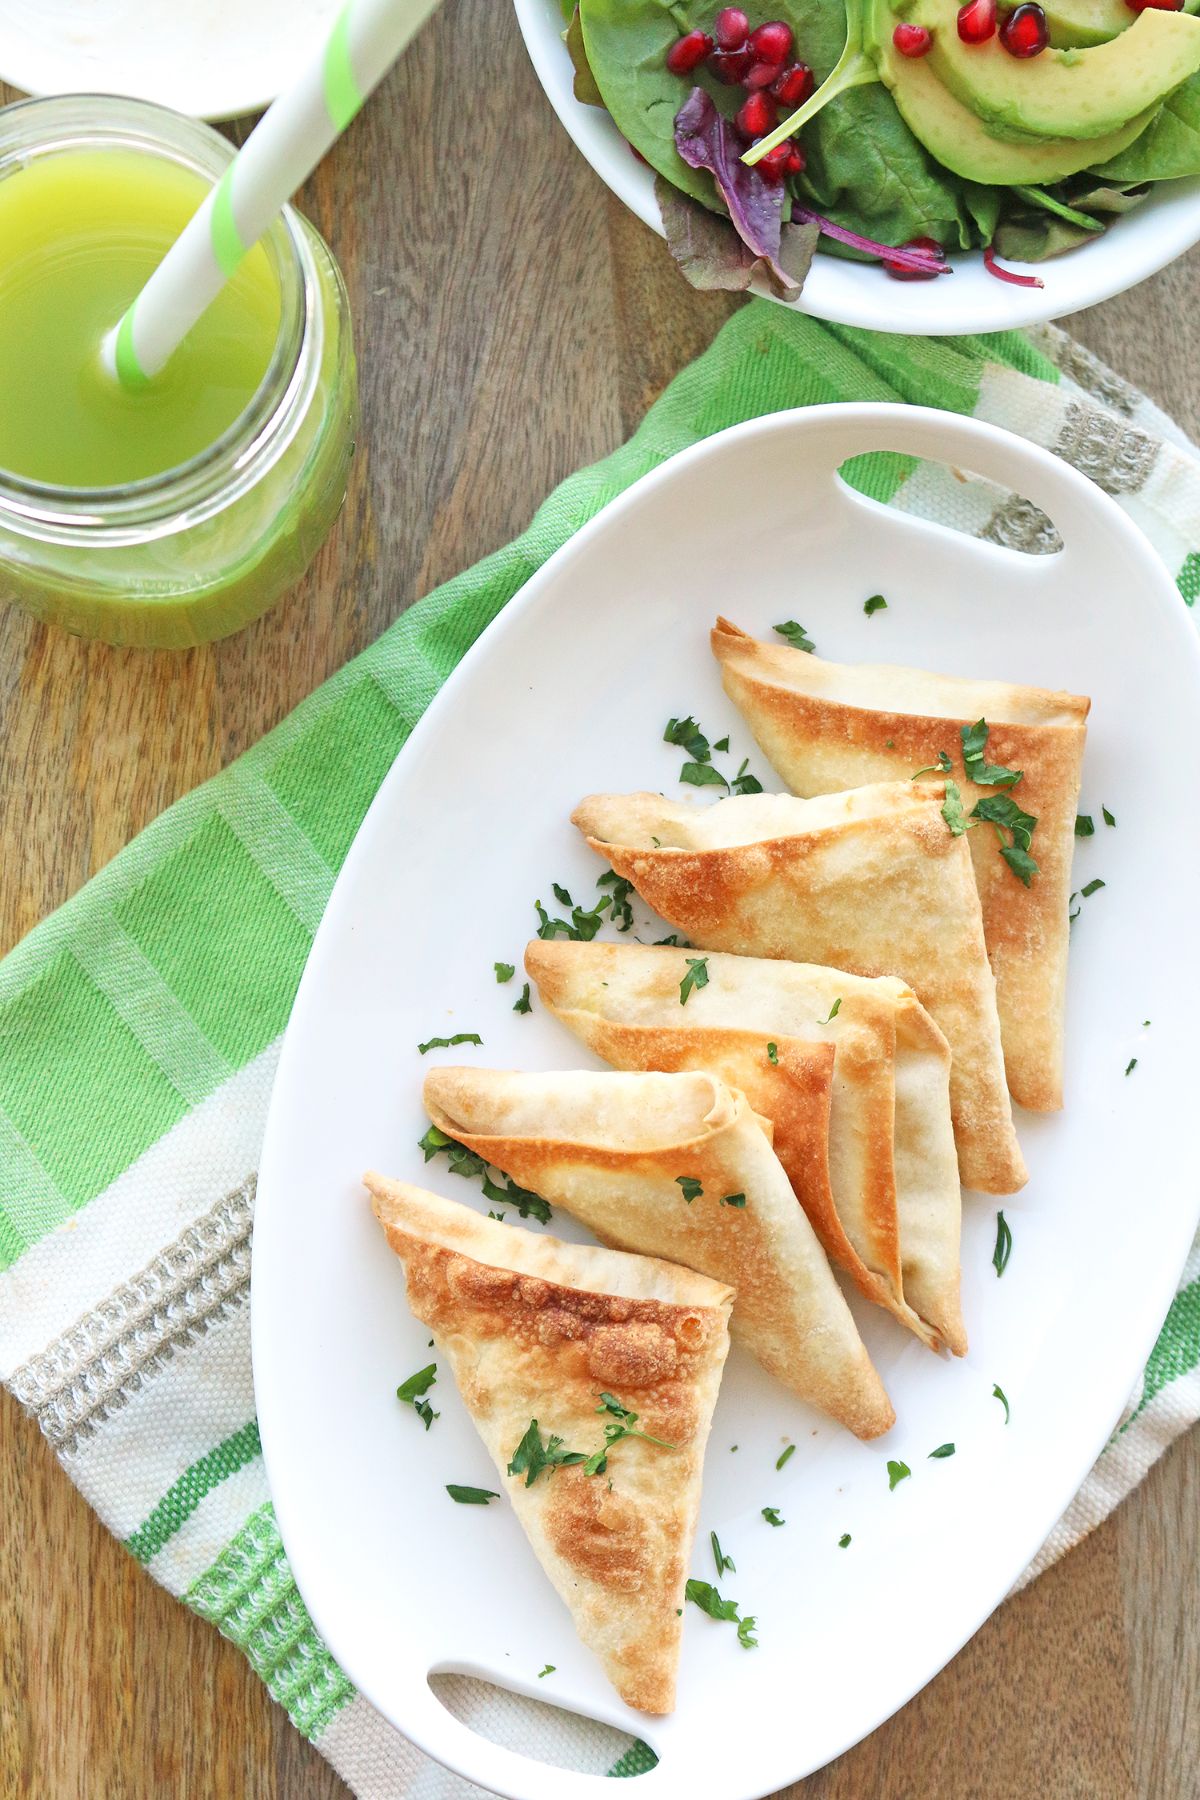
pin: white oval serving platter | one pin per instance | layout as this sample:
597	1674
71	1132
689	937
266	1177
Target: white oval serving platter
853	293
566	693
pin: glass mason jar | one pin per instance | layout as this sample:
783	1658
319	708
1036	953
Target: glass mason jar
200	550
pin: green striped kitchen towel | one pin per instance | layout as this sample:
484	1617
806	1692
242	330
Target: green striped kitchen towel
139	1028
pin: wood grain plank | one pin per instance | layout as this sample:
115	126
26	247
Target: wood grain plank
513	322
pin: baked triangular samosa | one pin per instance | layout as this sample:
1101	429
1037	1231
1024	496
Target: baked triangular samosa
678	1166
852	1072
871	881
827	726
536	1332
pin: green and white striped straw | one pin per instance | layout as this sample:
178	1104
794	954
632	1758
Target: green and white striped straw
282	151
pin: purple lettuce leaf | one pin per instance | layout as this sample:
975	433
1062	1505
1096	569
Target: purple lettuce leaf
710	254
705	139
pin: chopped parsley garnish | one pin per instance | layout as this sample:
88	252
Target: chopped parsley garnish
470	1496
942	1450
548	1670
737	1200
999	1394
625	1424
721	744
673	938
522	1004
897	1472
411	1391
796	635
472	1167
746	784
984	774
844	1540
504	971
620	913
1092	887
773	1054
1002	811
771	1515
561	894
440	1043
704	1595
834	1010
581	927
722	1561
696	977
698	774
1085	825
952	810
1131	1065
784	1454
942	766
687	735
875	604
1107	816
1072	916
692	1189
531	1456
1003	1250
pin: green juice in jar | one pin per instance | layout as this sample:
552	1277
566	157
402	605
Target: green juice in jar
80	234
176	514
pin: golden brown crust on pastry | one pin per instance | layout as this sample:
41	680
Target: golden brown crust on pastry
870	880
535	1328
616	1149
839	1144
827	726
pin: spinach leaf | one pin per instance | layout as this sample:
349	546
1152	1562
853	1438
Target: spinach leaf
1167	150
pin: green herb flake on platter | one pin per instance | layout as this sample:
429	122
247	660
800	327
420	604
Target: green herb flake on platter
470	1496
795	635
784	1455
1004	1244
875	604
897	1472
772	1516
504	971
412	1392
942	1451
704	1595
449	1043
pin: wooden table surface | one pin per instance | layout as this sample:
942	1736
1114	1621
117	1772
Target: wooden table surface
513	322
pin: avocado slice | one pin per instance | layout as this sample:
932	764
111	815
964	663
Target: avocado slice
959	140
1079	23
1062	93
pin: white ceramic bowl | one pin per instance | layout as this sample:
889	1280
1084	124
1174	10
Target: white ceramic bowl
860	293
213	59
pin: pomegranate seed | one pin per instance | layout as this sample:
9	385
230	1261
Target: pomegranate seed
1024	31
729	66
1161	5
977	21
899	272
913	40
795	85
796	158
772	42
775	164
760	75
756	116
687	53
731	28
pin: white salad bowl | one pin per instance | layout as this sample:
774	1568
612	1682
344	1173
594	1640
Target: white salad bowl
567	693
850	293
